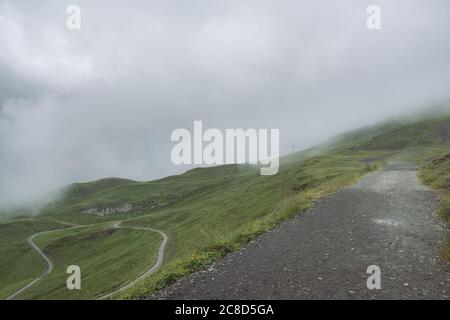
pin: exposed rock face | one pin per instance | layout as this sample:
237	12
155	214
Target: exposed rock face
127	205
109	209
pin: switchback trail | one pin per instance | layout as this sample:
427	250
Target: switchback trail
42	254
47	260
388	219
49	269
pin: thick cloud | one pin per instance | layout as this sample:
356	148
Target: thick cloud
103	100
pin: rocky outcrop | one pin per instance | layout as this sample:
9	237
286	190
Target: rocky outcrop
123	207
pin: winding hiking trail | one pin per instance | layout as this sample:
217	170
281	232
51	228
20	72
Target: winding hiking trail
49	269
47	260
155	267
388	219
42	254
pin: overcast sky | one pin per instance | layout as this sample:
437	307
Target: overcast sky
77	105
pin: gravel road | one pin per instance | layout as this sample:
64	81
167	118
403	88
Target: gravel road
388	219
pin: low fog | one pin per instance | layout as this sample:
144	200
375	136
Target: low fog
78	105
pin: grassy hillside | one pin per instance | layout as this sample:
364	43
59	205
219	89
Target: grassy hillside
208	212
143	197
